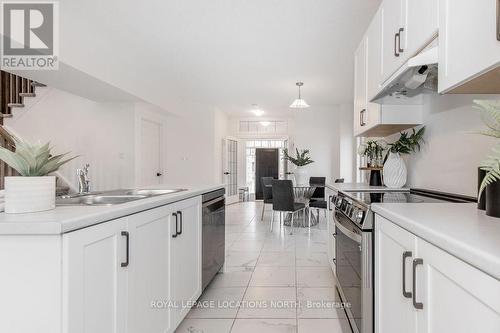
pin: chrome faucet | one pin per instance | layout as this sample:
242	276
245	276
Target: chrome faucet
83	179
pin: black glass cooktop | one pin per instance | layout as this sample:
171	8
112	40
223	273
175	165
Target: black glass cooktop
368	198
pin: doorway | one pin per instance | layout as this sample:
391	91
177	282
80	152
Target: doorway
266	165
151	144
230	169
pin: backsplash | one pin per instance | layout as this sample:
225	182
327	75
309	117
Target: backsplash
452	152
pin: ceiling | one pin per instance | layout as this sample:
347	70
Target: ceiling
225	54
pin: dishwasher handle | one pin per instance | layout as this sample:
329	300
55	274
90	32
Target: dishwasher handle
212	202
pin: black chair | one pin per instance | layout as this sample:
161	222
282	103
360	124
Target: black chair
267	193
284	201
339	180
318	201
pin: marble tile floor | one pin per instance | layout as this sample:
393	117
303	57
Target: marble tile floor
273	282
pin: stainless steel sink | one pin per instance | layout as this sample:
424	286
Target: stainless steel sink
109	198
98	200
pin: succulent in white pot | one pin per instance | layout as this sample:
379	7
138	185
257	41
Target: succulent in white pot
34	189
300	161
395	171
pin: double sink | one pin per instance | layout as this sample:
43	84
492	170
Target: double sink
109	198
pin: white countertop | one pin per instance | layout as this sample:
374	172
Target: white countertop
68	218
458	228
362	187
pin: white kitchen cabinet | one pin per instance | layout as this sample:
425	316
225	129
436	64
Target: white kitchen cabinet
468	46
447	294
360	117
372	119
407	27
134	274
456	297
94	281
391	12
149	271
330	228
394	249
185	256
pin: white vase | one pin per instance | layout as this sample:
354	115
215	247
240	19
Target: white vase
29	194
395	172
301	176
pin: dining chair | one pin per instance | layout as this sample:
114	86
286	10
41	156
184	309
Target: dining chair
284	201
318	201
267	193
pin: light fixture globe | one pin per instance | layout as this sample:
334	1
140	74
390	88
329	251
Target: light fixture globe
299	103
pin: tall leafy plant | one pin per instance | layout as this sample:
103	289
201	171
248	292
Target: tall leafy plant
301	158
490	115
408	143
32	160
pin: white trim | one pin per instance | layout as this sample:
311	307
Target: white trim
157	118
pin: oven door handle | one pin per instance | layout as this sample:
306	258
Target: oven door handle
351	234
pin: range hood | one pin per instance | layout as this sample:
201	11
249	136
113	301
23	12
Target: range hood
419	74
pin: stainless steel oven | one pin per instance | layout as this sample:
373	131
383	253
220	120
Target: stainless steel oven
354	258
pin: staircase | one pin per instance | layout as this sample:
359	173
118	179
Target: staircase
13	90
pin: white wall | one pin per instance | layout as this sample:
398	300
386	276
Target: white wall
103	134
451	154
317	129
100	133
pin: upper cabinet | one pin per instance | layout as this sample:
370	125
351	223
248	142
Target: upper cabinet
407	27
372	119
469	50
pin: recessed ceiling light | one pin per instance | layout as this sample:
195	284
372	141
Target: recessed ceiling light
256	110
265	123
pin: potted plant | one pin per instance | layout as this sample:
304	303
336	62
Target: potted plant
34	190
395	172
490	115
374	151
300	161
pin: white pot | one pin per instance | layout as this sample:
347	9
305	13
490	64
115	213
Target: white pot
301	176
29	194
395	172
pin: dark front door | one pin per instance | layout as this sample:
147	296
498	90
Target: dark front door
266	165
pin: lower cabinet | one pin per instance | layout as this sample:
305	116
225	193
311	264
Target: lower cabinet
135	274
421	288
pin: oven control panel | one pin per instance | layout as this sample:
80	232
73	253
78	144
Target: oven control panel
353	210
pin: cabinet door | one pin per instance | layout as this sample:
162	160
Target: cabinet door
455	296
421	25
185	252
468	44
149	272
360	88
94	285
394	249
392	22
373	70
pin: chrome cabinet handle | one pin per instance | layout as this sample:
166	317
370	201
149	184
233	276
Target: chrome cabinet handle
127	237
416	262
406	254
498	20
180	219
362	118
400	50
176	232
396	54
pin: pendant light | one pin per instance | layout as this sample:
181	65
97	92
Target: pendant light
299	103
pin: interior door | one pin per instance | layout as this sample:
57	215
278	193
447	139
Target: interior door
266	165
230	169
151	152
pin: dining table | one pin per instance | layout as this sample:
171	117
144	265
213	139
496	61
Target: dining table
302	194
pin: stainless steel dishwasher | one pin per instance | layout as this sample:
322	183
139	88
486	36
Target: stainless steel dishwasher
213	234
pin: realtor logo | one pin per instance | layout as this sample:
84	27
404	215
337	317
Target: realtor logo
29	35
